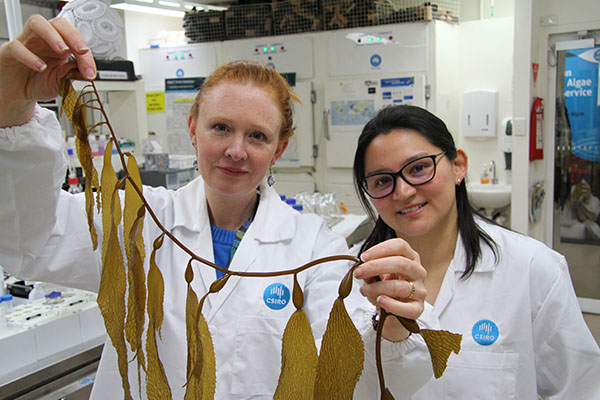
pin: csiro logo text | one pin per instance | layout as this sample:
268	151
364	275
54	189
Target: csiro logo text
485	332
276	296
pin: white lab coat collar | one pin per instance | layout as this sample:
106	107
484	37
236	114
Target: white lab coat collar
486	263
268	226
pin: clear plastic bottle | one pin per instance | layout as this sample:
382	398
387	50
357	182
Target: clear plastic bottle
485	175
2	284
7	302
2	314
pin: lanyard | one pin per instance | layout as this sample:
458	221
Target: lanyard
236	241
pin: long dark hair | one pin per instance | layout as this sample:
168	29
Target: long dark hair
435	131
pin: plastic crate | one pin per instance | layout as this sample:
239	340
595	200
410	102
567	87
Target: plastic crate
204	26
248	21
343	14
296	16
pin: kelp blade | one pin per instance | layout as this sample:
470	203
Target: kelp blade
133	221
202	378
75	112
298	360
191	330
69	97
440	345
108	182
208	377
157	385
111	294
341	358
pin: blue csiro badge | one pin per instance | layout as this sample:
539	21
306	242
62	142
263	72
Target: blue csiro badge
485	332
276	296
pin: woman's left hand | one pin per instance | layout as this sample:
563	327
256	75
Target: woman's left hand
394	280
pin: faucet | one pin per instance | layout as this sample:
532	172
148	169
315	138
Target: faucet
493	172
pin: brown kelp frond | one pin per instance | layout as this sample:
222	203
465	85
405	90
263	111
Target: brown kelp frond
193	351
441	344
133	218
298	354
98	124
111	294
157	385
75	112
201	368
298	360
341	358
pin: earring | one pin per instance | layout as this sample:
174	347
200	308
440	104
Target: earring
196	165
458	181
270	178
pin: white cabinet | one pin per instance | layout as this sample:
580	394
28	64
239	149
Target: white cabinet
125	104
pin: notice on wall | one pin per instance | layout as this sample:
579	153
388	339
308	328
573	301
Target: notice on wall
582	101
351	113
398	91
179	97
155	102
351	104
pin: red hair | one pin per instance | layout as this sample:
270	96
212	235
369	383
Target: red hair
259	75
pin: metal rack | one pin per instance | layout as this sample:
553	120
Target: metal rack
300	16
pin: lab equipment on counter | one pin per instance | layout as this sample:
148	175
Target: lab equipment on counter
354	227
5	308
2	284
40	334
169	178
156	161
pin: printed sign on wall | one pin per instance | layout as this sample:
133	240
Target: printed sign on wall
581	100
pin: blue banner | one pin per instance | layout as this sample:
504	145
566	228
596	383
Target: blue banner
581	100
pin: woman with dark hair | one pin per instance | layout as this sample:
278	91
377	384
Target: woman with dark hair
509	295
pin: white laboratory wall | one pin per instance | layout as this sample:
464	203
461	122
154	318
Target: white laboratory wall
445	85
484	62
482	9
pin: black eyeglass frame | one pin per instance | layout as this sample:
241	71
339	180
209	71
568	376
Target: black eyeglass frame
395	175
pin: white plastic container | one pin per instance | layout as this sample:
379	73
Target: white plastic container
2	284
177	161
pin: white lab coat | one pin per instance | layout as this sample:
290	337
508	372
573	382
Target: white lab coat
52	244
541	345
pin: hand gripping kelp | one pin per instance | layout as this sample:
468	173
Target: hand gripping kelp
127	295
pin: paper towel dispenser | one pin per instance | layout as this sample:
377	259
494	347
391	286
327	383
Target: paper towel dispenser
480	113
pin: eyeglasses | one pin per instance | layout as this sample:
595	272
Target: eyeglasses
415	173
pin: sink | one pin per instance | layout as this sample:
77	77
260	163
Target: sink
489	196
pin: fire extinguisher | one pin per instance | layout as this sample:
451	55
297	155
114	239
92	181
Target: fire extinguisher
536	132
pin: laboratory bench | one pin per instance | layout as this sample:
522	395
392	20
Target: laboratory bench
50	348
